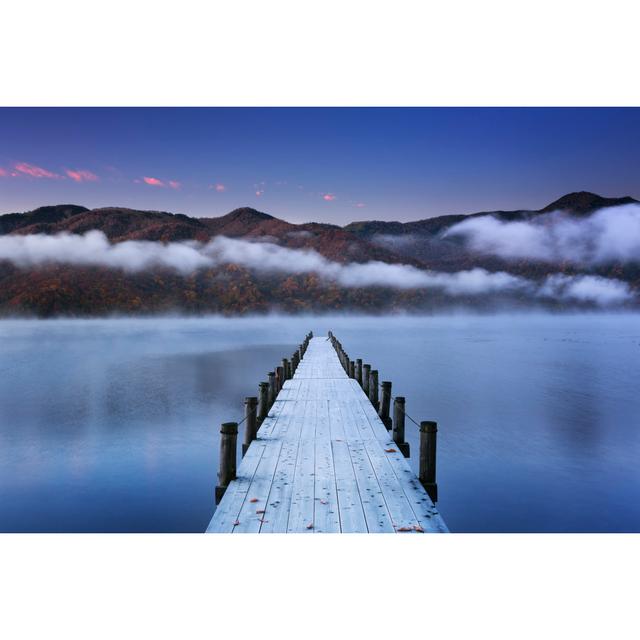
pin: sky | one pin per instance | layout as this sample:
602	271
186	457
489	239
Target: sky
332	165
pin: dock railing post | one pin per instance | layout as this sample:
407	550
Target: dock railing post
272	388
263	401
285	368
250	422
385	405
398	426
427	472
279	378
366	372
373	389
352	369
228	444
359	371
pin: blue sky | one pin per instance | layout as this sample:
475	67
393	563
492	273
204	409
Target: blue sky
329	165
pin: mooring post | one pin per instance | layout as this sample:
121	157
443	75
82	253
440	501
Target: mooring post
373	388
366	373
398	426
263	401
272	388
294	362
427	471
279	378
250	422
300	355
228	444
385	404
359	371
285	368
352	369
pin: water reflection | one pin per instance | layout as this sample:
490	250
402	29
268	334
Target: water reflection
111	425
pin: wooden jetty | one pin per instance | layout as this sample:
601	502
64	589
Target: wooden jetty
319	456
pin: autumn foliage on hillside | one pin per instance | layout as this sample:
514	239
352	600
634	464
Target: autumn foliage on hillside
61	289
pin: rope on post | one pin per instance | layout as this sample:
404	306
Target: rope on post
398	426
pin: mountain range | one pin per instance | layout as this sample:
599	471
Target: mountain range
53	288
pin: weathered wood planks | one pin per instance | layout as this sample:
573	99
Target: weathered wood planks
323	462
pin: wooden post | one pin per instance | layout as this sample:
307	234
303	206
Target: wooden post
427	472
385	404
398	426
272	388
279	378
228	444
250	422
366	372
263	401
359	371
300	355
294	362
352	369
285	369
373	388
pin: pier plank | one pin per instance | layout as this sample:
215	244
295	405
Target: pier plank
321	463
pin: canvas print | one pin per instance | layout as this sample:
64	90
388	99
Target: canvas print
319	320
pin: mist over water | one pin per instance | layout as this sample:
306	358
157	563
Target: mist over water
265	257
112	425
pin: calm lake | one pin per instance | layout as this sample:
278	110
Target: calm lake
112	425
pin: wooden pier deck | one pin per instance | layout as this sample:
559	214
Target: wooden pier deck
323	462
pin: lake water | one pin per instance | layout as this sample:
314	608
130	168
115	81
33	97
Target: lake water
112	425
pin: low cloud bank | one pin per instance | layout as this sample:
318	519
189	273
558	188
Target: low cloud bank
601	291
94	249
608	235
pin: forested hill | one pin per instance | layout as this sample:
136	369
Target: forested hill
61	286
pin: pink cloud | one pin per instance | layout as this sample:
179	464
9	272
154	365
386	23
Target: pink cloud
360	205
259	192
154	182
3	173
34	171
174	184
328	197
82	175
219	187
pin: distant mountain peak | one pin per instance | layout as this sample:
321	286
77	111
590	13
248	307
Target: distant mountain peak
58	209
247	214
582	202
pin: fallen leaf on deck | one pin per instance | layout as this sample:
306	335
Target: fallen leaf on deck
253	500
418	528
236	523
260	511
404	529
390	450
323	502
310	525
